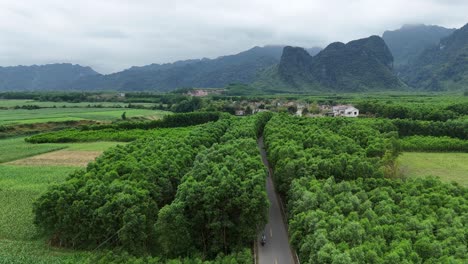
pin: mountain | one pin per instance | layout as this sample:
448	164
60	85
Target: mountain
219	72
443	66
313	51
408	42
360	65
44	77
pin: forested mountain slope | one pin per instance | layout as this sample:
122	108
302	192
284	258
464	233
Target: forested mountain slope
239	68
443	66
44	77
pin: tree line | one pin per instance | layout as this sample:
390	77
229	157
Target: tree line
124	131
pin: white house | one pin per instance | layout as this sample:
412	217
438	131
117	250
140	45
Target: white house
345	110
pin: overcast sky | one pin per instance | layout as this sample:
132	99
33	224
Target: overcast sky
111	35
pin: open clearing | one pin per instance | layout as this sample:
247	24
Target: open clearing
60	158
447	166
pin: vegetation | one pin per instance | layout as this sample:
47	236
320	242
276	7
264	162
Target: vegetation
207	181
43	115
455	129
341	209
339	67
442	66
17	148
434	144
124	131
20	241
325	147
449	167
378	221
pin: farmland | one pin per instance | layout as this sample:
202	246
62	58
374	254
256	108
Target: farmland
24	116
20	240
21	185
190	186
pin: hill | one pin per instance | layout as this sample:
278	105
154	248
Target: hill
360	65
443	66
44	77
408	42
219	72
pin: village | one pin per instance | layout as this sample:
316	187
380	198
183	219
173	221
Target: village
298	108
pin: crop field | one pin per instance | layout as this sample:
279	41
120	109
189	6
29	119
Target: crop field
23	116
447	166
20	241
20	186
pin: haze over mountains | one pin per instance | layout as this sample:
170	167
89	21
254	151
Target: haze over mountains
412	57
408	42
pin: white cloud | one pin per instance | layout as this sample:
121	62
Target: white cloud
111	35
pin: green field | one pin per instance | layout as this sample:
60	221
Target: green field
447	166
16	148
10	103
20	186
20	241
22	116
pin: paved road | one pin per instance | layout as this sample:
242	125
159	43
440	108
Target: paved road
276	250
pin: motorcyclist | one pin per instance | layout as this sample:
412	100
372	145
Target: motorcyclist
263	241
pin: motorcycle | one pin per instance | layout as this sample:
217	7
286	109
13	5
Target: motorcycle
263	240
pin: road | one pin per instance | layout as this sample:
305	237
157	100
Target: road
277	249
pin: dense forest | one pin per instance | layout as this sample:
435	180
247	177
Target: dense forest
195	193
343	205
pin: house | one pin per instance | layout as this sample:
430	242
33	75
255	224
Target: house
345	110
240	112
198	92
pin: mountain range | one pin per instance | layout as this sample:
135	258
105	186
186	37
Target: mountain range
412	57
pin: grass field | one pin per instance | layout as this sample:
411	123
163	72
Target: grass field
22	116
447	166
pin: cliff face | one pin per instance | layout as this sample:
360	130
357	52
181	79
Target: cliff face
360	65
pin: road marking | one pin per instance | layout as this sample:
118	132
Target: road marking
271	232
276	261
